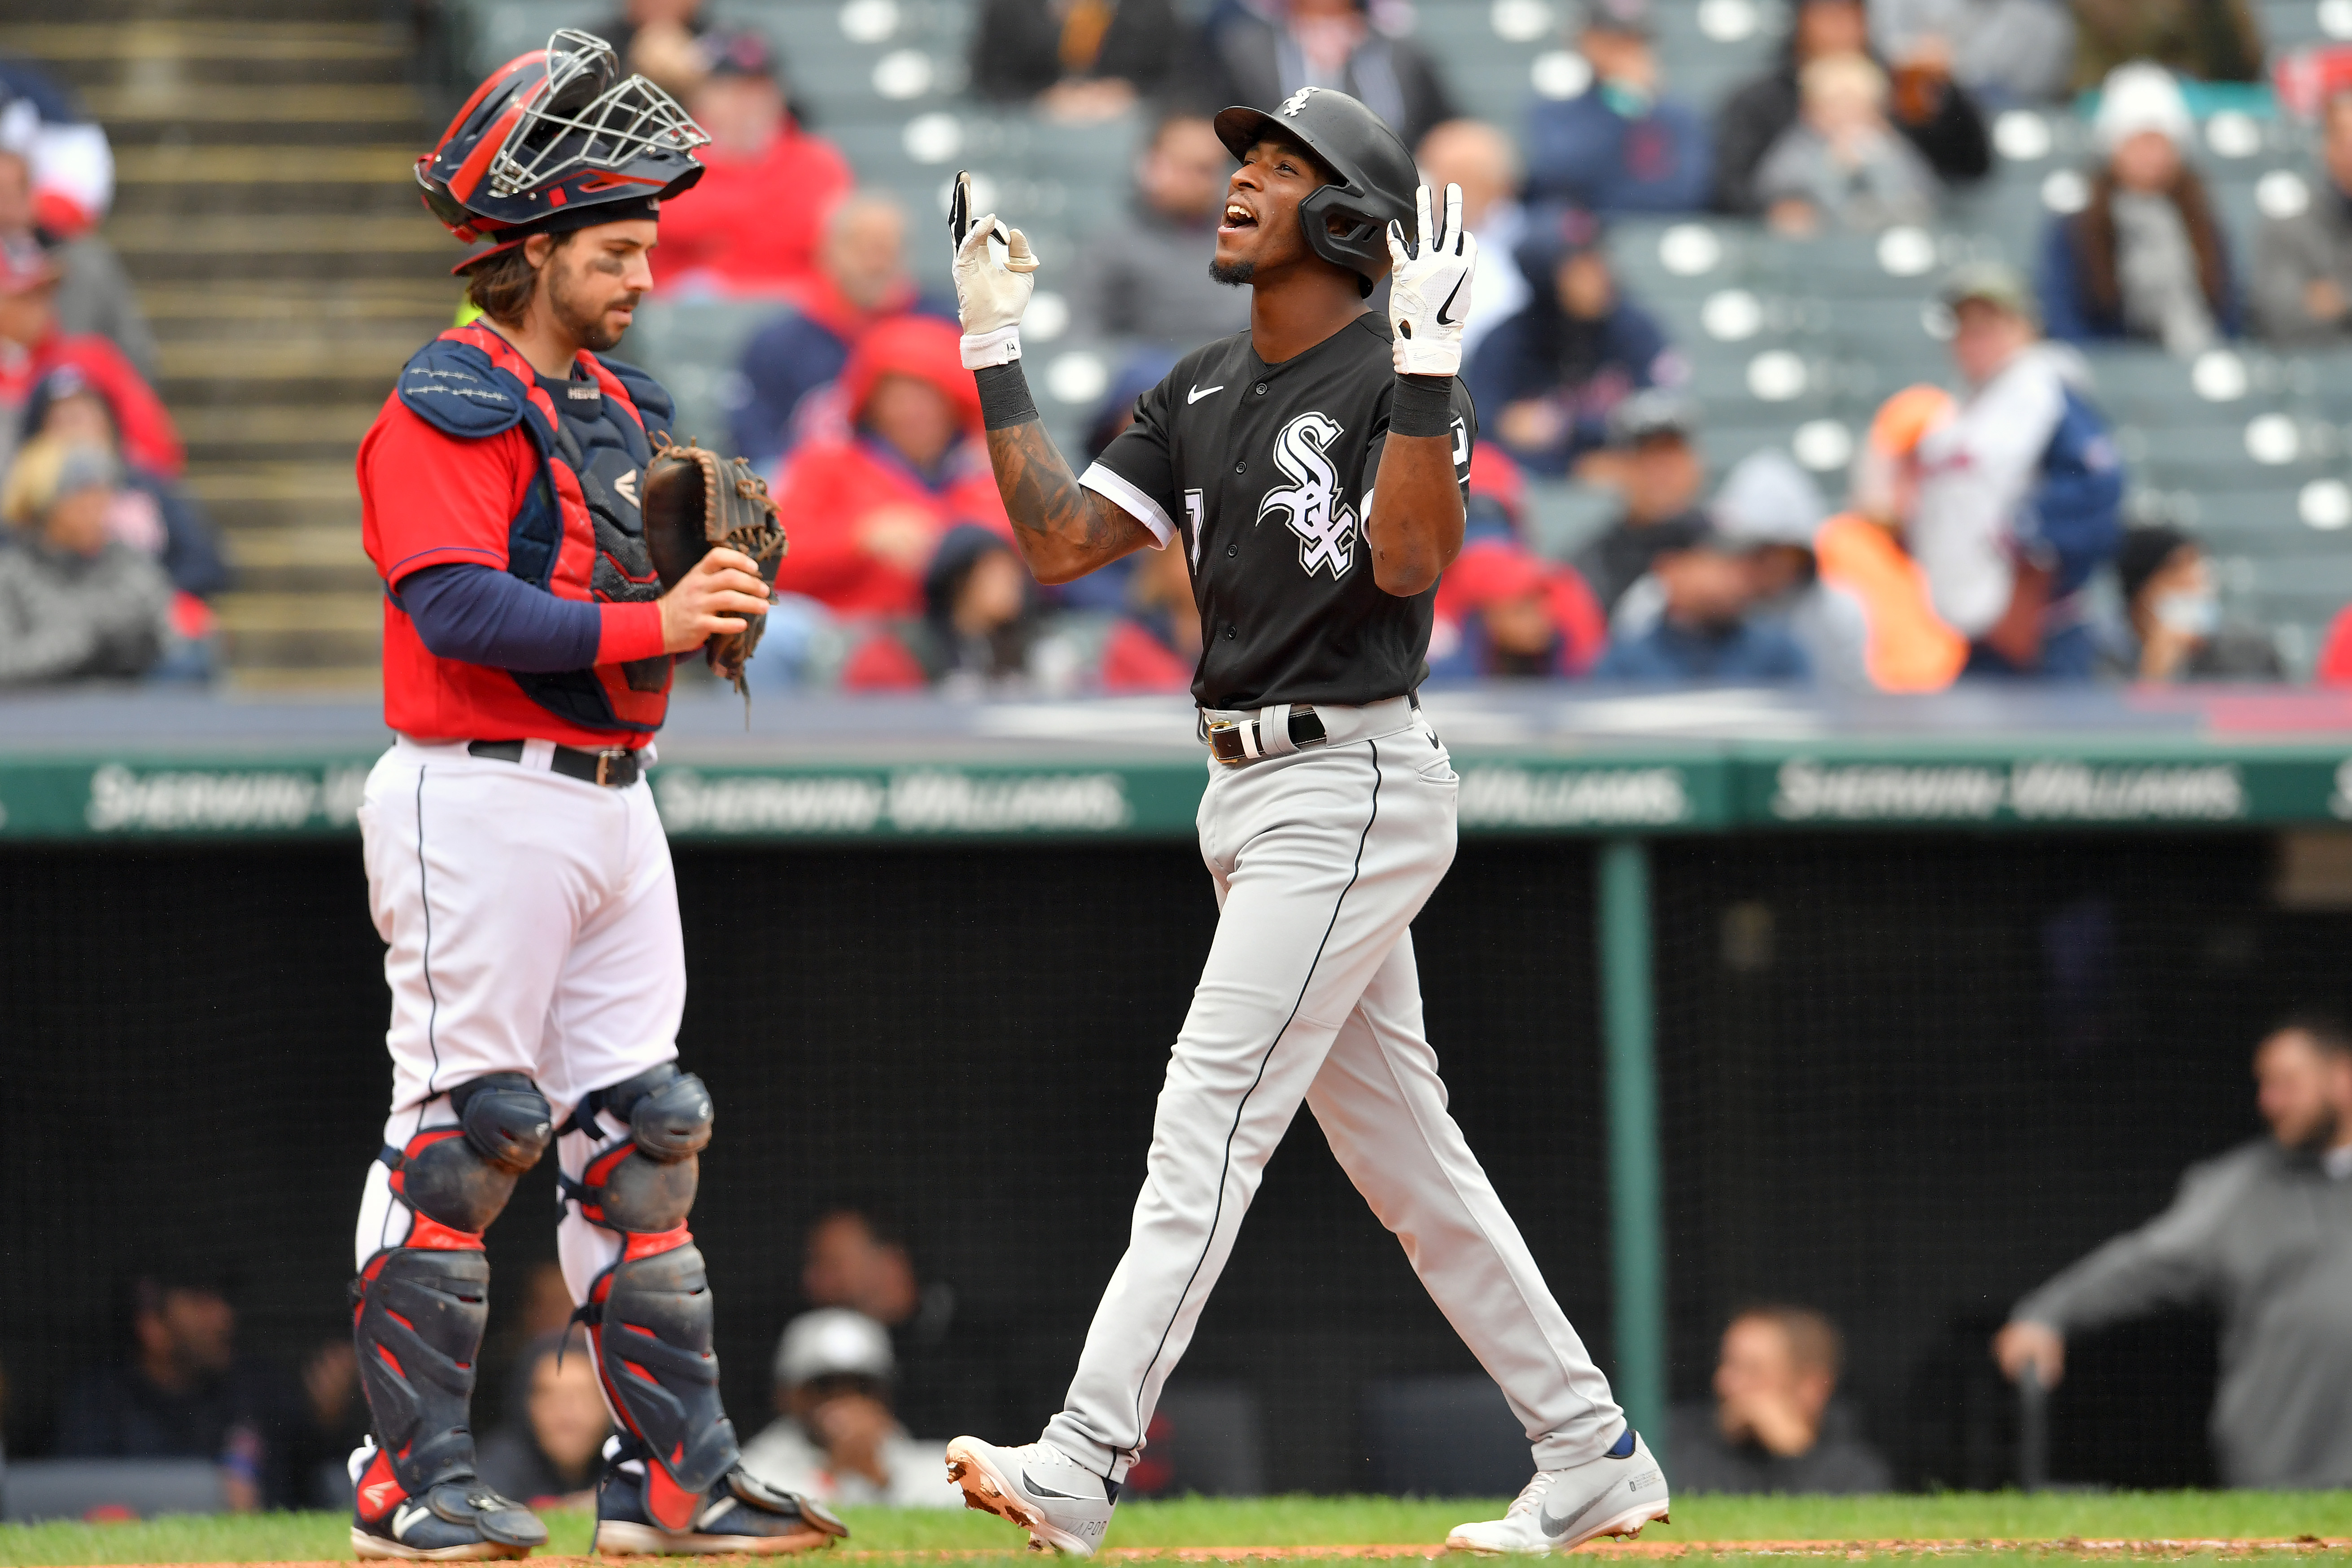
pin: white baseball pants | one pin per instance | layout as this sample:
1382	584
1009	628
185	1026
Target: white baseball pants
1321	861
531	923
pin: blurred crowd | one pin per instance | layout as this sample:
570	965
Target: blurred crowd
107	562
1983	533
881	1364
1985	529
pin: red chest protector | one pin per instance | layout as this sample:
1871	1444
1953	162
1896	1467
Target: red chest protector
580	534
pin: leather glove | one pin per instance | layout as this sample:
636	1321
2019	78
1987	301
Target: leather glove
1429	289
990	294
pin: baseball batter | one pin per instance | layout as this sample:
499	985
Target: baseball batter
1314	470
515	867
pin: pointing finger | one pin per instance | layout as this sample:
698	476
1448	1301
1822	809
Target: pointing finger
960	208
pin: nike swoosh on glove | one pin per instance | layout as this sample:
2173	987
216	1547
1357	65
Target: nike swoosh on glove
1429	290
990	294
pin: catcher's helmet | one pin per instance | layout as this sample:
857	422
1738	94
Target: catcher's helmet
1374	177
557	139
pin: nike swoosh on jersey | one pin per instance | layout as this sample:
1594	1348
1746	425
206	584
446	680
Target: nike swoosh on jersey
1199	392
1442	319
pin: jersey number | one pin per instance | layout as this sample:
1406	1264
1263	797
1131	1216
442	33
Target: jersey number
1194	511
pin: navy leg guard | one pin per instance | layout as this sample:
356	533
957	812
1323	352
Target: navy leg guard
649	1314
419	1314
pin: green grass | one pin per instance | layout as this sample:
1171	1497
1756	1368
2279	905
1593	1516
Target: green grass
1329	1522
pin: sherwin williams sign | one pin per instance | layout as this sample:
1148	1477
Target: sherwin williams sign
1696	788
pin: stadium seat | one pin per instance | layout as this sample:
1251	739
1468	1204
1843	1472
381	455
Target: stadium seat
692	347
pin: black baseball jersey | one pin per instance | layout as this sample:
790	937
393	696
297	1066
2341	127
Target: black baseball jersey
1265	472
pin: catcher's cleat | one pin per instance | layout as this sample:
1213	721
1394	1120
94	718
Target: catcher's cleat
1061	1503
1560	1511
738	1513
452	1520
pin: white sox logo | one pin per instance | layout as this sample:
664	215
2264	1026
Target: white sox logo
1295	102
1310	503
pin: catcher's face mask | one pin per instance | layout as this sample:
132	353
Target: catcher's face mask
553	135
580	116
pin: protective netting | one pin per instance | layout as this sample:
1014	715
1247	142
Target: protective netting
1902	1079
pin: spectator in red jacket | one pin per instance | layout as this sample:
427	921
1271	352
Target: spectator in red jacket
790	365
1156	644
31	346
977	631
1503	614
753	223
866	508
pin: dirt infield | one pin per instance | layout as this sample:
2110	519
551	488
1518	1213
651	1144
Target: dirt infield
2070	1547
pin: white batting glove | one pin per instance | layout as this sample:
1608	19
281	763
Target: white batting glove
1429	290
990	294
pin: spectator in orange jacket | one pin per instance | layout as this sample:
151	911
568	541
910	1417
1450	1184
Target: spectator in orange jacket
1907	646
866	508
31	345
753	223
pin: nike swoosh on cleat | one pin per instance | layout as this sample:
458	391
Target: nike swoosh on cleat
1561	1526
1442	319
1029	1481
406	1515
1199	392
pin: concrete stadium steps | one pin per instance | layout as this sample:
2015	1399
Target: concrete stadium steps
265	207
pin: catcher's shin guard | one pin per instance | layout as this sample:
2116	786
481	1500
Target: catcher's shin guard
649	1315
418	1312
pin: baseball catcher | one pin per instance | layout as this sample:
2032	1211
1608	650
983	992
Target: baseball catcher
547	553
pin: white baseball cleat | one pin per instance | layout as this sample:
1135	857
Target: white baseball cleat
1560	1511
1060	1502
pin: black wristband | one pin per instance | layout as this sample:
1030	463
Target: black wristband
1004	399
1424	405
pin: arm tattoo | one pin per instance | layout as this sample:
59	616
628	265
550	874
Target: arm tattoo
1060	525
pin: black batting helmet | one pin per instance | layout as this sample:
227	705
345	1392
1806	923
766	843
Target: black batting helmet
557	139
1374	178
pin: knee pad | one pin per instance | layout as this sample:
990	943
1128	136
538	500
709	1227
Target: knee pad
649	1315
462	1176
417	1328
647	1183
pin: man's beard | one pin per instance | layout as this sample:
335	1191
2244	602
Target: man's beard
584	325
1232	274
2321	1135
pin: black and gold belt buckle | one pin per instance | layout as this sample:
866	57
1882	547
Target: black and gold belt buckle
604	760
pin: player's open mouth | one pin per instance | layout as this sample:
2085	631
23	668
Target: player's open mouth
1238	218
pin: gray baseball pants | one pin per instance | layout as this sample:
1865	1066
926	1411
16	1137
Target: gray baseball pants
1321	859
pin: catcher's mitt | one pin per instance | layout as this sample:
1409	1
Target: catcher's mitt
694	499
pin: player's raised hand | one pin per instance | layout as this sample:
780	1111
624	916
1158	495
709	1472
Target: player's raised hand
723	588
990	294
1429	289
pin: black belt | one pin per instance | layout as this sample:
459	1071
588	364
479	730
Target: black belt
1241	741
614	768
